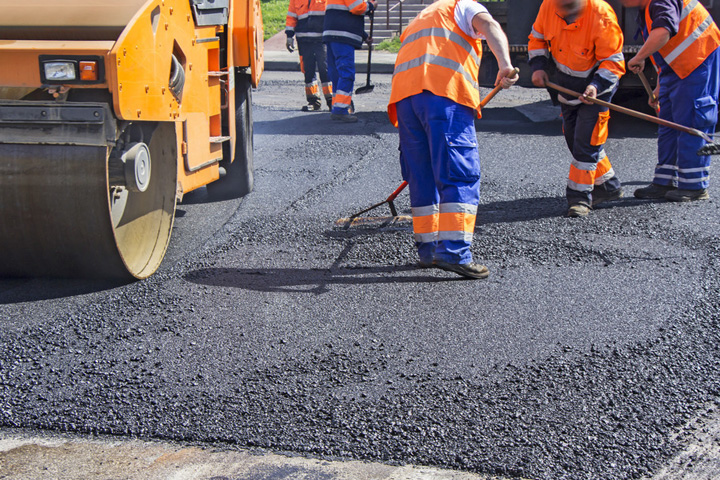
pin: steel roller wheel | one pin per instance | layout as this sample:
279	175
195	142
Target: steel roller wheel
62	218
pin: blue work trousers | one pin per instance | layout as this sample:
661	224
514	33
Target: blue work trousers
341	68
692	102
439	160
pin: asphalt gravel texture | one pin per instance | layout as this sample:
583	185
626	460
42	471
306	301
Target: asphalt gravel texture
583	356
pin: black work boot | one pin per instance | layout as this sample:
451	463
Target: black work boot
653	191
313	105
469	270
600	195
328	100
680	195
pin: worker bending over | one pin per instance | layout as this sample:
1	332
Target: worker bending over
682	41
585	42
305	20
344	32
433	102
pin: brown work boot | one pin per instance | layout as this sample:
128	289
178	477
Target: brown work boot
578	210
653	191
680	195
469	270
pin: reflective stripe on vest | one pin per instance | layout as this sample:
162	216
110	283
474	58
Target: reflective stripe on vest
697	37
437	56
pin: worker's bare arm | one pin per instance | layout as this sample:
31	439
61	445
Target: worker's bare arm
487	26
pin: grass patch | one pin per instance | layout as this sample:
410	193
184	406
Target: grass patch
274	13
392	45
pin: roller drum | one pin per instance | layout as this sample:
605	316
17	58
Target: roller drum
60	216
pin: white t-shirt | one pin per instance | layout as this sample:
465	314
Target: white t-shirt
465	11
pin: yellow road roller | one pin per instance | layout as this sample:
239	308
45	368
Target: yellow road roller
109	112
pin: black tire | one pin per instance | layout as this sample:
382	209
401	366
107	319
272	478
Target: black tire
238	180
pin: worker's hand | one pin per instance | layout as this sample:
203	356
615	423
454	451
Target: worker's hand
540	78
290	44
635	64
590	92
654	101
368	40
505	80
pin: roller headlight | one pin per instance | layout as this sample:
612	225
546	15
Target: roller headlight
60	71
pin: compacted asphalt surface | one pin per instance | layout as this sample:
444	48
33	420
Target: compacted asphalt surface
591	351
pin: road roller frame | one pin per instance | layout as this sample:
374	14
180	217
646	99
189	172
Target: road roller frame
109	113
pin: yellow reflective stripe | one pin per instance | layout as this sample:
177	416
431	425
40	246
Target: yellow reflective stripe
443	33
439	61
672	56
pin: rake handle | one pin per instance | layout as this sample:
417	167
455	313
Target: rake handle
648	89
497	88
633	113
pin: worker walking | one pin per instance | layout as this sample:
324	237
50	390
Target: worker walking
344	31
305	20
682	41
434	101
585	42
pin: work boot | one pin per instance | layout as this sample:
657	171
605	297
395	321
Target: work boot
653	191
312	106
680	195
347	118
578	210
600	195
469	270
328	100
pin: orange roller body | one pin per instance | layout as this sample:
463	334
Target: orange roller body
111	112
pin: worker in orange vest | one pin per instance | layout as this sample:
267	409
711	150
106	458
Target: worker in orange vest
682	41
585	42
434	100
305	20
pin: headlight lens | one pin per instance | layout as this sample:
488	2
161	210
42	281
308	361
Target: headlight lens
59	71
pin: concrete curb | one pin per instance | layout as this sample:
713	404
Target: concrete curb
284	61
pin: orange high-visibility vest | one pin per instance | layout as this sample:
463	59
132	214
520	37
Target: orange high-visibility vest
593	40
697	37
437	56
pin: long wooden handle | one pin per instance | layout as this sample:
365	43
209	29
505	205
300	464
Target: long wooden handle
495	90
648	89
632	113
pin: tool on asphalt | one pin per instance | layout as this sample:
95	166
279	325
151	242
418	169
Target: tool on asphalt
649	90
389	200
368	86
347	222
710	148
110	113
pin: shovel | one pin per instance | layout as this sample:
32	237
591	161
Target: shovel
368	87
710	148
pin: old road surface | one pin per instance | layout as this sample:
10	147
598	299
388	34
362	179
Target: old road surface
274	344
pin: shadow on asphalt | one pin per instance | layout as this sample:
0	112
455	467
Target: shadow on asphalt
20	290
321	124
526	209
309	280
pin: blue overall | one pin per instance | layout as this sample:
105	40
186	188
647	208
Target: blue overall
692	102
341	68
439	160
